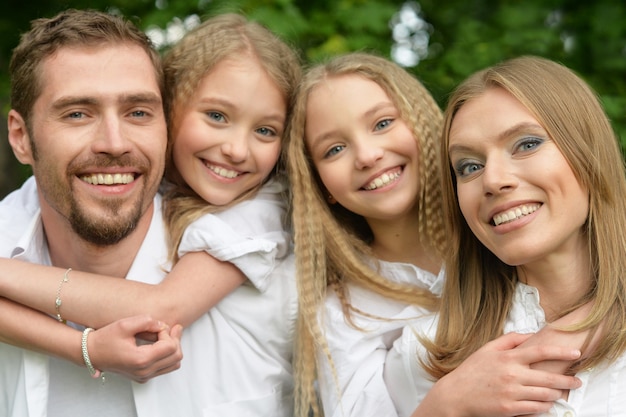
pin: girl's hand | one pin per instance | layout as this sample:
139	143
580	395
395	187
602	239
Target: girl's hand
123	347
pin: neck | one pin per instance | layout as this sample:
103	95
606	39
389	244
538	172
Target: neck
400	242
560	279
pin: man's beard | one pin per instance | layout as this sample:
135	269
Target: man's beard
101	233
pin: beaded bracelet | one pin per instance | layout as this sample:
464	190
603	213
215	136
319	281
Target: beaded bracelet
57	301
95	373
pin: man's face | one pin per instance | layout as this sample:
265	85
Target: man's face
97	139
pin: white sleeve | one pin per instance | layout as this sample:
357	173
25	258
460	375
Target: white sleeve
251	235
359	356
406	380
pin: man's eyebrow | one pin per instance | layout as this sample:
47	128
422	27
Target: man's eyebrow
131	98
147	98
69	101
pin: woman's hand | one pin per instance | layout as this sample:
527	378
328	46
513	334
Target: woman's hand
497	380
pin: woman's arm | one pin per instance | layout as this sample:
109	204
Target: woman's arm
497	381
512	375
112	348
196	283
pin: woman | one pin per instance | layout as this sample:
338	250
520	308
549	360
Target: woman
535	196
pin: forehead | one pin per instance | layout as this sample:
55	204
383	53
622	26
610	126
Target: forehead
488	116
346	87
100	71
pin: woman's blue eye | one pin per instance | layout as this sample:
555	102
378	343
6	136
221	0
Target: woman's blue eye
463	169
529	143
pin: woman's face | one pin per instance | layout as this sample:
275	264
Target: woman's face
515	188
365	155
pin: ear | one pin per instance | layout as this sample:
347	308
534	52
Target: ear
19	138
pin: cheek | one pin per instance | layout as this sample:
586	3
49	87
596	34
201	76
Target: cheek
328	180
267	156
464	201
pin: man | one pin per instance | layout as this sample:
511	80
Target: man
87	115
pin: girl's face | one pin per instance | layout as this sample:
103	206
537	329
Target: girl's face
365	155
515	188
228	137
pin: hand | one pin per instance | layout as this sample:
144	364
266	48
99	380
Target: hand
117	348
497	380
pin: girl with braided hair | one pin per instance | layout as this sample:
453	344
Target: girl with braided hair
363	164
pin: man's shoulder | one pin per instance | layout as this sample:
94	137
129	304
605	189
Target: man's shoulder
24	199
17	212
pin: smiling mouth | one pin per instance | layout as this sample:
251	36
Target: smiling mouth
514	213
385	179
222	172
108	179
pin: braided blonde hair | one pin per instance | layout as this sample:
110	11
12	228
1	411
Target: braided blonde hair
331	243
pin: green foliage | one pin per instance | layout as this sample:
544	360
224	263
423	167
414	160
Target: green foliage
589	37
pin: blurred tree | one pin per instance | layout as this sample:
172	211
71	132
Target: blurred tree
450	39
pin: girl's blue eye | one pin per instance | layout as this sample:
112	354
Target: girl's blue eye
334	151
383	124
216	116
265	131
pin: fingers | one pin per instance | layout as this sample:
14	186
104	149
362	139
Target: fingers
508	341
539	353
118	348
176	332
163	356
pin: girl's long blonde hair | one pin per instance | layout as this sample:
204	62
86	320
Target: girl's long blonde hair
185	65
479	287
331	243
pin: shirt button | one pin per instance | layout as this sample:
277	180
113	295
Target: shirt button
568	414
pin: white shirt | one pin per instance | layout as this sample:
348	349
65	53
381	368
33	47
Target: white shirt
603	392
25	376
247	339
359	354
237	358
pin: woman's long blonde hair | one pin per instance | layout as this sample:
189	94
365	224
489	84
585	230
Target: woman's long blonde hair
479	287
185	65
331	243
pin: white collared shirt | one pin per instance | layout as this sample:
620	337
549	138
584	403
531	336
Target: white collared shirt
237	357
359	354
603	392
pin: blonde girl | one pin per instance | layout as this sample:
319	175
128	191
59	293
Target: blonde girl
357	284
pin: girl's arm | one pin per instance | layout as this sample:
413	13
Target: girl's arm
112	348
195	284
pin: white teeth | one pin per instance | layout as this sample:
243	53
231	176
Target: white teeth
108	179
226	173
514	213
382	180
